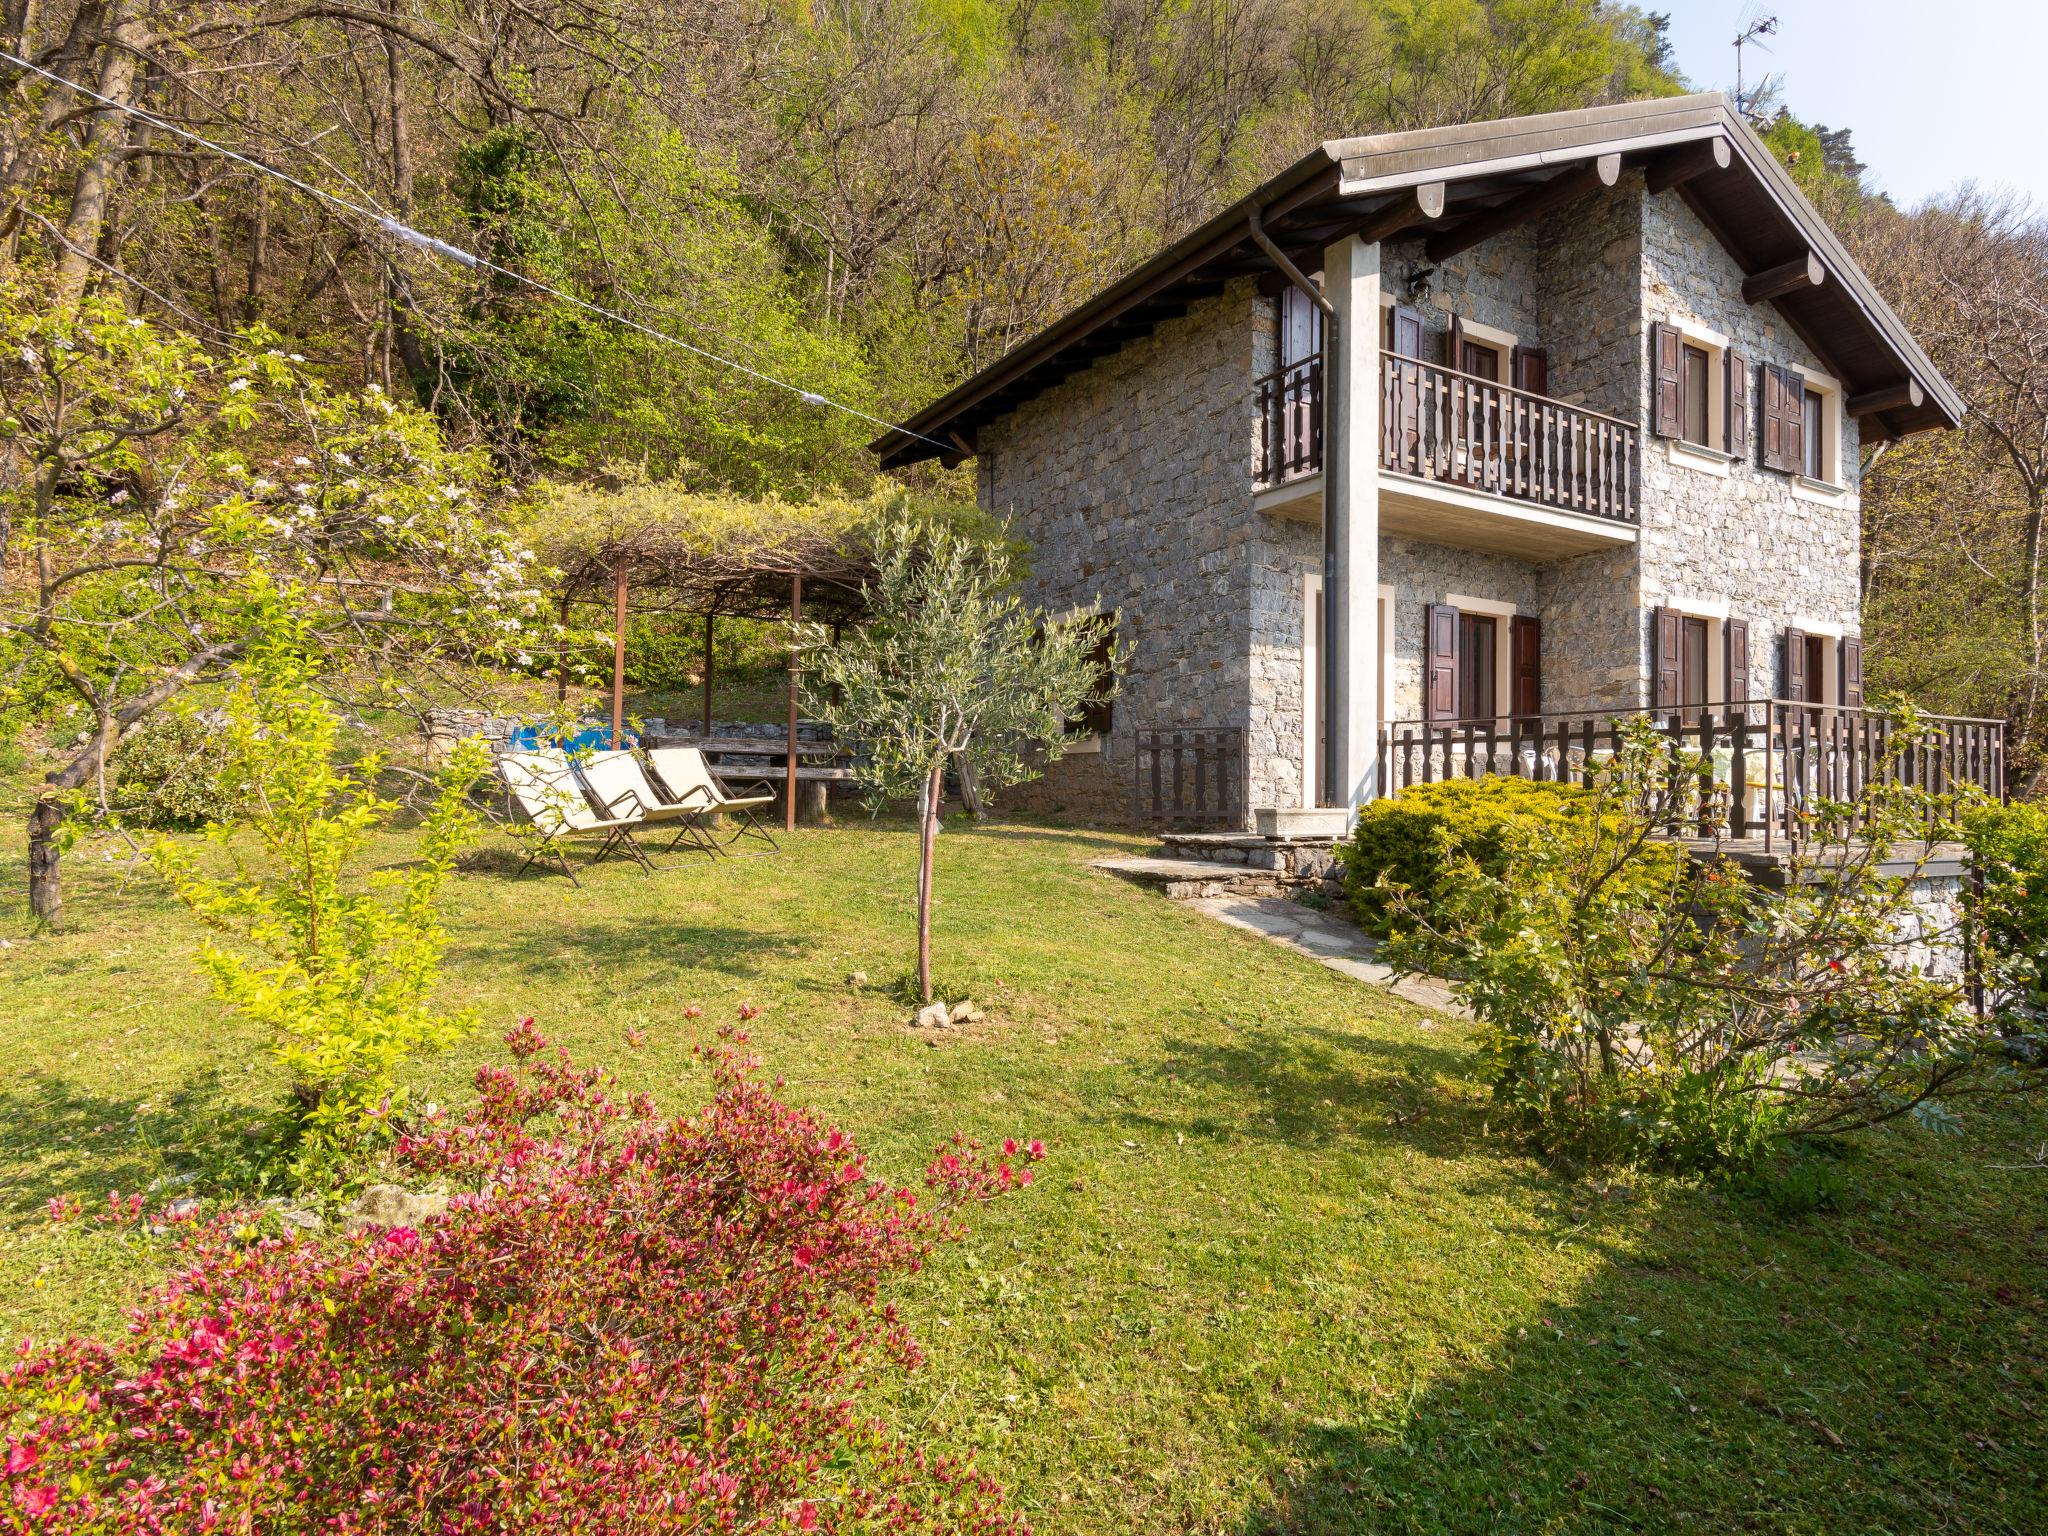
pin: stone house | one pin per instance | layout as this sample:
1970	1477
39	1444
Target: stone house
1477	427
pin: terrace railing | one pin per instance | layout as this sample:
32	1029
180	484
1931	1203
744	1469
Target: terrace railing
1462	430
1290	405
1192	777
1766	762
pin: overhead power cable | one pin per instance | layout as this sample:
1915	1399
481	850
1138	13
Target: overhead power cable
434	245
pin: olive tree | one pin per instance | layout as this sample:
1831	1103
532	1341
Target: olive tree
954	668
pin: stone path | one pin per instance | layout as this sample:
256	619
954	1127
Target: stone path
1328	938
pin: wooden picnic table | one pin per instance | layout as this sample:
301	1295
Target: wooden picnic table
753	746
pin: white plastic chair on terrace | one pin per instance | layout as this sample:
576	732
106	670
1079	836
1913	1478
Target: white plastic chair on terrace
688	778
621	787
550	795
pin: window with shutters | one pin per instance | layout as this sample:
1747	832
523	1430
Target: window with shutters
1482	661
1813	436
1700	401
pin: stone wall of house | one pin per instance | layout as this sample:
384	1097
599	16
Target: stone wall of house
1132	482
1747	537
1284	555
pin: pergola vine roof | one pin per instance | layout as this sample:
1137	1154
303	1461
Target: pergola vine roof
707	553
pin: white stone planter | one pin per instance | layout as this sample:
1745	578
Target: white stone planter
1320	821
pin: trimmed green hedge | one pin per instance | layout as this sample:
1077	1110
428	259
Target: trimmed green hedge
1412	837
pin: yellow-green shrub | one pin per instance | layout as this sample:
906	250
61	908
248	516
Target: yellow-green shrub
1413	838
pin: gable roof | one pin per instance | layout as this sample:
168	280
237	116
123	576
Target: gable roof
1750	205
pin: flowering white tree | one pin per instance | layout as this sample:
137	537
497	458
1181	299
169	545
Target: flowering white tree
151	494
954	668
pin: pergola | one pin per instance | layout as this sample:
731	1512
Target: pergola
770	562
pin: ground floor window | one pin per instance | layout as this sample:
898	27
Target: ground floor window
1481	661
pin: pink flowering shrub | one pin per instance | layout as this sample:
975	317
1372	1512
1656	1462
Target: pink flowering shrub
623	1324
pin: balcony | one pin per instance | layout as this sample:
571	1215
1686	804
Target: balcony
1463	460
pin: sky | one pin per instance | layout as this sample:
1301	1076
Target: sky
1935	91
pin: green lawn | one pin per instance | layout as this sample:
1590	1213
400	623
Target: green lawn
1276	1276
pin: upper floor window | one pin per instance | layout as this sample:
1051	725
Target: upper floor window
1813	408
1695	389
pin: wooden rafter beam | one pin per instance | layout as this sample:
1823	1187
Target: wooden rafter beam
1688	161
1423	204
1581	181
1886	397
1807	271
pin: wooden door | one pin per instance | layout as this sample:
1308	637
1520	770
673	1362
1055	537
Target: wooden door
1301	327
1403	424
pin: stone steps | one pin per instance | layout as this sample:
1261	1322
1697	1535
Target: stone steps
1189	879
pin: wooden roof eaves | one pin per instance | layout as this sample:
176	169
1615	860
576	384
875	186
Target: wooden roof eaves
1397	161
1363	168
1311	176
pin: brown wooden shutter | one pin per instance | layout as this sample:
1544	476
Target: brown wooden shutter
1454	345
1440	663
1770	418
1735	659
1736	391
1792	391
1532	370
1795	664
1668	636
1852	673
1525	649
1667	360
1404	331
1783	418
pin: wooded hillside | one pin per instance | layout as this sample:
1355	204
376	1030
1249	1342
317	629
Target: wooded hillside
869	199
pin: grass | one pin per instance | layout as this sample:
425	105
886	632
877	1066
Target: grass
1276	1276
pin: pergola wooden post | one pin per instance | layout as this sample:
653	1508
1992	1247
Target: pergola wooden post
710	618
618	652
796	618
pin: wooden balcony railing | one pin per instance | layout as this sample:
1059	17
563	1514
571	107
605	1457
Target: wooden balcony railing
1766	762
1463	430
1438	424
1290	402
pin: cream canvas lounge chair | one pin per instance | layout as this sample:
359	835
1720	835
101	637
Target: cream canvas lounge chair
550	795
688	778
621	787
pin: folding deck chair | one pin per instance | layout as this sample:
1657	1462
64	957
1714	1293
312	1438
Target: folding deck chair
548	792
689	781
620	786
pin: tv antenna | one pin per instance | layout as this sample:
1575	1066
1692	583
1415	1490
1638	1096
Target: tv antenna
1762	26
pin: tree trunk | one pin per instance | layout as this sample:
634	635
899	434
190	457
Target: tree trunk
105	137
45	894
2030	593
927	843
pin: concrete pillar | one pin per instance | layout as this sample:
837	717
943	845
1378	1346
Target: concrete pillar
1351	519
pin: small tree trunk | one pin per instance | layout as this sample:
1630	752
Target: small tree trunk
45	894
927	842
